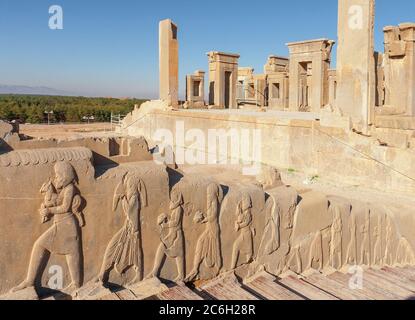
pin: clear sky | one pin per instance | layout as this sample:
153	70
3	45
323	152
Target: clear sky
110	48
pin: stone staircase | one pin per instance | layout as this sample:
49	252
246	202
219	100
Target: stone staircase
377	284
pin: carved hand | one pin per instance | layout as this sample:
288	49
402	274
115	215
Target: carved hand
162	219
199	217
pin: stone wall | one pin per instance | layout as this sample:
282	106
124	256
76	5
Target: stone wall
334	154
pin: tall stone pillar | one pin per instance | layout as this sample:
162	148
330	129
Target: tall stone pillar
356	85
169	62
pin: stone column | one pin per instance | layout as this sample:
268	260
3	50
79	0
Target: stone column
169	62
355	61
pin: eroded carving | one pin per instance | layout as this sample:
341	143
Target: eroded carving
351	253
270	241
208	247
62	203
171	236
125	248
243	247
336	239
365	245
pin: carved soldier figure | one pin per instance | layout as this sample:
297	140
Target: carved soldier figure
125	248
63	237
243	248
208	248
171	236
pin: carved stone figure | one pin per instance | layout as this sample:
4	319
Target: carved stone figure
270	178
62	203
405	255
270	241
208	247
351	254
243	248
316	252
365	246
377	248
294	262
336	239
125	248
171	236
387	258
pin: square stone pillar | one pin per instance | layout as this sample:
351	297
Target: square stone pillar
223	77
308	83
195	90
169	62
400	68
356	85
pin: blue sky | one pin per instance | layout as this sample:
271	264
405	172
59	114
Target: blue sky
110	48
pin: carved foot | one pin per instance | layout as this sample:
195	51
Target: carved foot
192	276
138	278
71	290
24	285
150	276
179	280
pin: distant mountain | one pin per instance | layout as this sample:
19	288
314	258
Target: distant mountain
7	89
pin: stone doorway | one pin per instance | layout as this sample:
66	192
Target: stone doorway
228	77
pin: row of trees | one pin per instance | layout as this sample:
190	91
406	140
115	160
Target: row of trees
31	108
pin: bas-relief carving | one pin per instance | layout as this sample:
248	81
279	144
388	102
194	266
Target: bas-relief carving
336	239
125	248
270	241
377	247
243	248
62	203
208	246
171	237
365	236
351	253
316	252
388	258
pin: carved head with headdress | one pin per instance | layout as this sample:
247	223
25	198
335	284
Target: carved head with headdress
130	185
215	191
64	174
244	204
176	199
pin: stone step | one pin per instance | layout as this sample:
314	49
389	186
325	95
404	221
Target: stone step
407	272
226	287
265	286
368	288
126	294
179	293
109	297
305	289
147	288
386	285
399	280
338	290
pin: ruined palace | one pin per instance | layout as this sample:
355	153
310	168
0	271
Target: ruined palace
324	189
